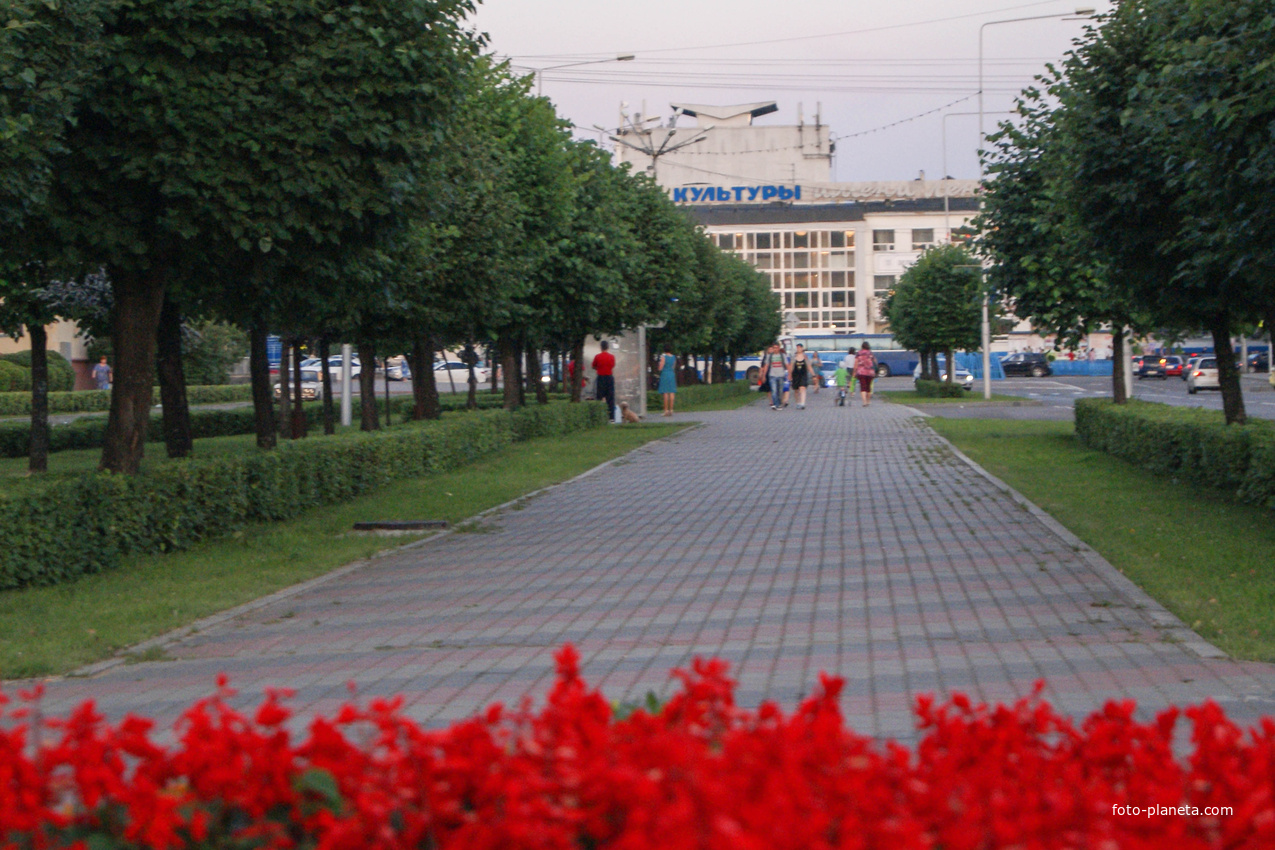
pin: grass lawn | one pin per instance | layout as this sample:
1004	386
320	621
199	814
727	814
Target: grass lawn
971	397
1205	558
49	630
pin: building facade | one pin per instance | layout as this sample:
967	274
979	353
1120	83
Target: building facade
832	250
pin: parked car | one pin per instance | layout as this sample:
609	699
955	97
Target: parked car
451	372
398	369
964	379
1203	376
1026	364
311	385
334	365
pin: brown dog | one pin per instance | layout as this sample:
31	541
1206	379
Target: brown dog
628	415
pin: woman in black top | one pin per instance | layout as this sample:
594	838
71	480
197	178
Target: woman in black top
799	375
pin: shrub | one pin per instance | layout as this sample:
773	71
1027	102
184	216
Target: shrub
61	373
938	389
15	380
696	394
98	401
87	524
1187	444
698	772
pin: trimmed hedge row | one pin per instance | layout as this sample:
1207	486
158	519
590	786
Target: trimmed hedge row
90	401
696	394
938	389
87	525
1184	443
61	373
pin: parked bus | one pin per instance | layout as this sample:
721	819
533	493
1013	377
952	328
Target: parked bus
891	360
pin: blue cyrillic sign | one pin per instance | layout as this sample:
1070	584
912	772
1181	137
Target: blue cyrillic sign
738	194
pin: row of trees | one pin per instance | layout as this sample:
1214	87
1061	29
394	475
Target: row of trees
330	171
1135	190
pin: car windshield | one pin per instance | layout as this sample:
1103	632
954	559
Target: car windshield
1208	363
311	376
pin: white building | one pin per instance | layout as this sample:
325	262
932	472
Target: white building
832	250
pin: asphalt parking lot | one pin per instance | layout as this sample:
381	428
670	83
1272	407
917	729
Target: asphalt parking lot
1052	398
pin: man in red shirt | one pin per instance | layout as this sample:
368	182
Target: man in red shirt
604	365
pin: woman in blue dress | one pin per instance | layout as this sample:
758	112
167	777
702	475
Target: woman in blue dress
668	379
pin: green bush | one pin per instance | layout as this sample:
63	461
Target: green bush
61	373
1188	444
938	389
15	380
696	394
97	401
88	524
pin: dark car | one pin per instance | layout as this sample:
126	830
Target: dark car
1259	361
1153	366
1026	364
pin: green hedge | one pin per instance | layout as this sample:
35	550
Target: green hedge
61	373
690	396
938	389
96	401
88	524
1189	444
14	380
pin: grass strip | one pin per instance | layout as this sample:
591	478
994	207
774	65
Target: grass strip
51	630
1202	555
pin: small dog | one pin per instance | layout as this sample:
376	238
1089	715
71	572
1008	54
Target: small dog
628	415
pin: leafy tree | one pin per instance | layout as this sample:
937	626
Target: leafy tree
230	131
938	304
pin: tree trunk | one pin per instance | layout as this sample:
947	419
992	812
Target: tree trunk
298	412
535	386
178	438
138	300
577	357
1228	377
325	368
951	366
508	369
389	413
496	366
517	377
38	450
285	386
424	389
259	371
471	360
370	417
1119	392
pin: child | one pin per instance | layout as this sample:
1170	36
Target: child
841	379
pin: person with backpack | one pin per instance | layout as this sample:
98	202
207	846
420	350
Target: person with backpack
774	370
865	369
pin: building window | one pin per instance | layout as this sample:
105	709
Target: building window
883	240
838	299
801	239
922	239
883	283
801	299
801	260
763	241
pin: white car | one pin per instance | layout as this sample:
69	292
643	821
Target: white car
1203	376
334	365
311	385
964	379
451	372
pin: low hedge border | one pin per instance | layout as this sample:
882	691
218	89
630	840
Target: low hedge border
88	524
690	396
938	389
89	401
1183	443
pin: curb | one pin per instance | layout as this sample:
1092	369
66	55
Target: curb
1160	617
173	636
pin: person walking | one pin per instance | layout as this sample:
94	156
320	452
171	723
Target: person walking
816	370
775	370
604	366
102	375
841	379
799	375
865	369
668	378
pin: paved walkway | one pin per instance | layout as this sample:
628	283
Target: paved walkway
850	540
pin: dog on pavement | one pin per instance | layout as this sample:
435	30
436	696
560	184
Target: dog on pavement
628	415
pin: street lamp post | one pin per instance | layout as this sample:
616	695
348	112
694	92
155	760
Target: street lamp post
1081	12
623	57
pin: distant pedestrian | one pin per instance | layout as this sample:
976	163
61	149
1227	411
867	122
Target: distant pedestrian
604	366
668	379
775	369
103	375
799	375
816	370
841	378
865	369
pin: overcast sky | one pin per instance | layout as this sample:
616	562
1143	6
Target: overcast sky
870	65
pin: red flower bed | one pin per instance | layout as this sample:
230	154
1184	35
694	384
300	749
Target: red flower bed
701	773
